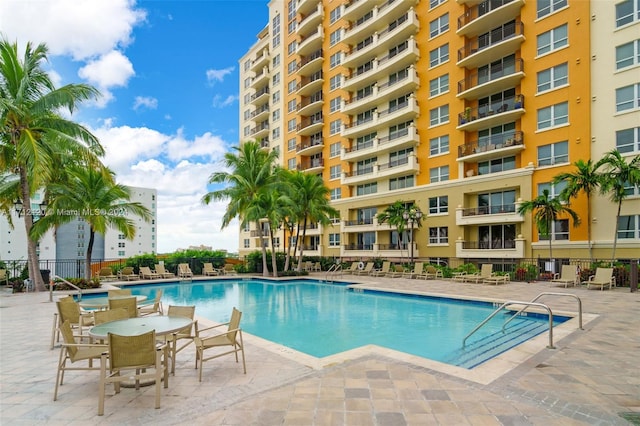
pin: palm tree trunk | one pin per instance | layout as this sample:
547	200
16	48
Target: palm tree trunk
87	260
274	264
549	225
304	233
265	267
589	227
615	235
32	249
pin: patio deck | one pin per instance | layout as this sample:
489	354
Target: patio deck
590	378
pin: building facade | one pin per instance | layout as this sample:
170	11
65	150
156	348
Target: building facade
463	109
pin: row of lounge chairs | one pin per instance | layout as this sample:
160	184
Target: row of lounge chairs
484	276
395	271
146	273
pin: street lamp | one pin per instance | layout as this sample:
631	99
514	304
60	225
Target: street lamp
412	216
36	215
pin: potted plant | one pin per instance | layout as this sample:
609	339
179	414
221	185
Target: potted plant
518	102
466	115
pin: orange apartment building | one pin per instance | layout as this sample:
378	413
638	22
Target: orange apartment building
462	109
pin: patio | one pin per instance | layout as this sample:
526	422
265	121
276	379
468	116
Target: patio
590	378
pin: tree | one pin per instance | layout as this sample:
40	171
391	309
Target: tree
619	177
546	211
92	195
394	215
251	171
585	178
32	133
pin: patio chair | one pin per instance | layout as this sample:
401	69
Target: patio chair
184	271
74	351
69	310
431	273
602	278
366	270
395	271
417	270
486	271
119	292
139	358
127	274
353	268
160	269
496	279
154	307
4	276
128	303
186	335
106	274
382	271
228	269
317	267
147	273
208	270
568	276
231	339
108	315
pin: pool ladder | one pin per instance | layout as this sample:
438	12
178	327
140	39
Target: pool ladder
334	271
525	307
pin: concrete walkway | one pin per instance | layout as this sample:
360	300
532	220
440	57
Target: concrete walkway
590	378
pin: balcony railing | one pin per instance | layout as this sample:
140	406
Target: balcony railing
494	37
259	93
360	172
260	110
362	247
306	145
309	121
474	12
489	245
311	164
507	104
357	222
310	79
495	142
390	247
484	210
258	128
495	73
310	57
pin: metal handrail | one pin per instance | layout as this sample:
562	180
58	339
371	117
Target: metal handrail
53	277
550	293
515	302
333	270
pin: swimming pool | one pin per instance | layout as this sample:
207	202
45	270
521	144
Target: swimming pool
322	319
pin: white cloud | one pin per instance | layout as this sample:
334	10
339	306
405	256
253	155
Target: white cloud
218	102
218	75
145	101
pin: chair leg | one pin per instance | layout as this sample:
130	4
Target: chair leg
103	375
54	330
60	375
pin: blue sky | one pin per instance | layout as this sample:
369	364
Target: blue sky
168	74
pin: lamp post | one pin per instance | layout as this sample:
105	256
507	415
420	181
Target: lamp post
36	215
412	216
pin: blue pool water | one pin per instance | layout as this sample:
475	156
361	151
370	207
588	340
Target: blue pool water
323	319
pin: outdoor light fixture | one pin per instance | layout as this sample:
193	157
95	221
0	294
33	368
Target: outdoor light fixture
19	207
412	216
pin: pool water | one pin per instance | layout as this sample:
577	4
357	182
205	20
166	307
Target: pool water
322	319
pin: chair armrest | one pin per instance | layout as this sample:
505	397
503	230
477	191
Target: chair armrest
556	276
83	345
212	327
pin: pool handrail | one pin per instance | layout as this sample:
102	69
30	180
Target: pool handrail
550	293
333	271
53	277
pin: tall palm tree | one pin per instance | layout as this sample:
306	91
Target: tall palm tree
617	179
585	178
32	133
394	215
251	171
546	211
92	195
310	197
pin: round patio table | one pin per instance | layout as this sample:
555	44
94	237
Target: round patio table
135	326
103	302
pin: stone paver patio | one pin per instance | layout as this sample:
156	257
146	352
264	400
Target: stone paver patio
589	379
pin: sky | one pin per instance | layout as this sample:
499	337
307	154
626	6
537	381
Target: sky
168	75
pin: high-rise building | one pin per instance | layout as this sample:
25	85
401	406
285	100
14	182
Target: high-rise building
462	109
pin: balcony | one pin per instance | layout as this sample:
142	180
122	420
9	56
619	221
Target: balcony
310	84
310	147
397	114
261	79
260	96
497	80
383	93
356	8
308	21
310	64
507	249
310	125
315	165
260	113
497	146
309	105
305	7
496	44
264	143
473	119
262	60
484	15
311	42
405	138
385	170
489	215
257	233
359	225
260	130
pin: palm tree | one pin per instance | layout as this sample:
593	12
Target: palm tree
92	195
251	172
310	198
546	211
618	180
585	178
394	215
32	133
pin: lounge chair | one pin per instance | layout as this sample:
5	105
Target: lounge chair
395	271
4	276
603	277
431	273
459	276
127	274
160	269
208	270
417	270
231	339
366	270
486	271
147	273
496	279
317	267
353	268
568	276
382	271
184	271
106	274
229	270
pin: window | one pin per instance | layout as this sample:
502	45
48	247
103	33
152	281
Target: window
335	59
335	14
247	114
627	12
247	65
292	105
553	116
439	55
554	190
438	205
292	66
628	54
559	231
291	26
246	243
552	40
291	125
401	182
335	37
276	96
434	3
275	115
547	7
439	85
247	130
555	153
291	48
275	133
439	115
292	86
553	78
439	174
336	193
334	149
276	60
628	140
401	157
334	240
439	25
367	188
247	82
629	227
335	82
496	165
335	172
247	98
439	145
439	235
628	97
291	143
497	202
335	127
335	104
291	163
